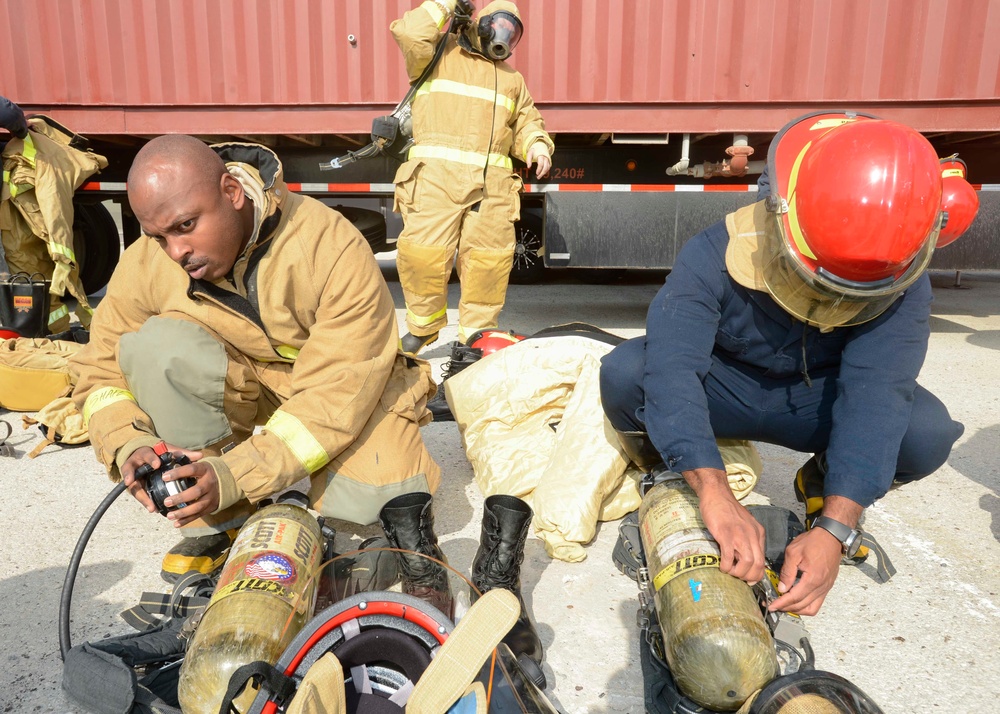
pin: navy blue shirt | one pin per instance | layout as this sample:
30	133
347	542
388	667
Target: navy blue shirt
701	317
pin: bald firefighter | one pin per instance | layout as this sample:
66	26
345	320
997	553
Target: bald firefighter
458	192
247	305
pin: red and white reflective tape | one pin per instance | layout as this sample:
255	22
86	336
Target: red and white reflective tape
633	187
528	187
103	186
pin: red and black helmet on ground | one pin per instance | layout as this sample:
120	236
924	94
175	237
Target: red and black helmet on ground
958	199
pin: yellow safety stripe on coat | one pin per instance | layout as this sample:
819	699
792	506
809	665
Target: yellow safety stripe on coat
299	440
435	11
15	188
287	351
59	314
420	320
29	150
104	398
449	86
63	250
86	308
460	157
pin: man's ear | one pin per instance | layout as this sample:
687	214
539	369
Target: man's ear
233	190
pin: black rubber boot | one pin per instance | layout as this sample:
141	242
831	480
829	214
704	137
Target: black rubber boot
410	344
506	520
461	357
408	523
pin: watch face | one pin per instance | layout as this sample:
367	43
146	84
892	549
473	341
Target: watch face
853	544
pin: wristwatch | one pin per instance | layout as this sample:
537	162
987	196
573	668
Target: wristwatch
850	538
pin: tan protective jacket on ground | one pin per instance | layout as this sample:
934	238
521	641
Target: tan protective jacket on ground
533	426
40	175
324	342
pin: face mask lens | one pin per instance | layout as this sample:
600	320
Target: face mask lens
504	34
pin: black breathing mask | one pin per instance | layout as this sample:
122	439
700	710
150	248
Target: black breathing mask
499	33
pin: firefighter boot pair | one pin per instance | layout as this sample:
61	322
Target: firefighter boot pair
461	357
506	520
808	487
408	523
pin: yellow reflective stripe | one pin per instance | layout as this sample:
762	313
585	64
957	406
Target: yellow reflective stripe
287	351
448	86
104	398
63	250
298	439
421	321
59	314
435	11
460	157
86	308
793	214
29	151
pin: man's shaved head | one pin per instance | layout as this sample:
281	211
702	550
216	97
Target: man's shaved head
186	200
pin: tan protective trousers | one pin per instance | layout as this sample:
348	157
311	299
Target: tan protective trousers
203	394
447	209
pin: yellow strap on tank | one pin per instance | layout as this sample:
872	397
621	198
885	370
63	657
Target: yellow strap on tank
683	566
450	86
303	445
104	397
461	157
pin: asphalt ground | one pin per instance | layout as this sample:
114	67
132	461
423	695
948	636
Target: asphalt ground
924	642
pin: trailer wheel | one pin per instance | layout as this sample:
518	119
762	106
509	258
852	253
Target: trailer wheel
370	223
528	267
96	243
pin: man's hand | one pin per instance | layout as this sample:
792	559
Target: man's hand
739	535
202	498
539	152
812	562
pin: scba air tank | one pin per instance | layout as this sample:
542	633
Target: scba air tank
264	597
717	645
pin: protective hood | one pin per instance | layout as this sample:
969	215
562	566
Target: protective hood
495	31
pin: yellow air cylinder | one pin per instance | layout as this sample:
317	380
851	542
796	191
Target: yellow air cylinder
264	597
717	645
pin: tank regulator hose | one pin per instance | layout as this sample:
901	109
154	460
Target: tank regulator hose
74	565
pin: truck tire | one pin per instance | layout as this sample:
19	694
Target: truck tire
528	267
370	223
96	243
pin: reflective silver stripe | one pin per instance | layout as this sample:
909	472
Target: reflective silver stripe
460	157
303	445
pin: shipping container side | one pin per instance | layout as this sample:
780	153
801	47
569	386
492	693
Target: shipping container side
306	77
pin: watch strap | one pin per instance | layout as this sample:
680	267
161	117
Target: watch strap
838	530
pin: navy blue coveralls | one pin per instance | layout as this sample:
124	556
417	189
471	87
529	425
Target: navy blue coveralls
719	360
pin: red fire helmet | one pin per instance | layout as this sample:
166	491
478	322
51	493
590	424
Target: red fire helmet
491	340
857	202
958	200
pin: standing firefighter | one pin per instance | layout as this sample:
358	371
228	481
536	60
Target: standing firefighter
248	305
458	191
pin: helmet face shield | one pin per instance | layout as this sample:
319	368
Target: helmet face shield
822	299
813	692
499	34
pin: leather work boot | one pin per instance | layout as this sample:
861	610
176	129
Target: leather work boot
461	357
367	571
808	487
506	520
408	523
204	554
410	344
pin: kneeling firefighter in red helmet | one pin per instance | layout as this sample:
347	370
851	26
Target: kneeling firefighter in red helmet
800	320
